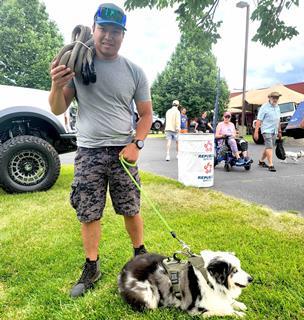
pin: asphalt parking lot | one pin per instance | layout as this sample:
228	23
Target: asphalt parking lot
281	190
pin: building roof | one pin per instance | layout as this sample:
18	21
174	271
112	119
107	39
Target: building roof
299	87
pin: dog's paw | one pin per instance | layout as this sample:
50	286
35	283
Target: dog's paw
239	305
239	314
234	313
177	303
209	314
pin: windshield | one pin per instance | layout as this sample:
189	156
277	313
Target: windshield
286	107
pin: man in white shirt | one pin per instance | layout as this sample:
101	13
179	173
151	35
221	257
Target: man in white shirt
173	122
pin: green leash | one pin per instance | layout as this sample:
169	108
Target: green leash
127	164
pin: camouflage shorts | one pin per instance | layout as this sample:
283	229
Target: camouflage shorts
95	170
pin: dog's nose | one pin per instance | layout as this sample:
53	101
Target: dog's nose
250	279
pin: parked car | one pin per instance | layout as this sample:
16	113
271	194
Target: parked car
31	138
158	123
295	127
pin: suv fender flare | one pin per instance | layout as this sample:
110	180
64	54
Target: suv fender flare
26	111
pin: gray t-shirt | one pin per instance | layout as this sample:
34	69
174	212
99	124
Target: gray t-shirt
104	108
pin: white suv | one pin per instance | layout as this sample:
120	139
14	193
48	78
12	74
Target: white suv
157	123
31	137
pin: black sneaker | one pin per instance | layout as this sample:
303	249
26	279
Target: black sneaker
140	250
90	274
262	164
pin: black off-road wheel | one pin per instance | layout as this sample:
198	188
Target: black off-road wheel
28	164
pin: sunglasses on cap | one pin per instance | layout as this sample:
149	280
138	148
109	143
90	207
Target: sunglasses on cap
111	15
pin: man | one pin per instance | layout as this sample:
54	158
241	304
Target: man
203	125
172	128
184	121
104	126
268	120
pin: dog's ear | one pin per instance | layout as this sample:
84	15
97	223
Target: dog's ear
220	270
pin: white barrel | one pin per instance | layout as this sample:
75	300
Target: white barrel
196	159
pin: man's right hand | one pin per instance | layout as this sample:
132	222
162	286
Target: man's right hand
60	95
60	75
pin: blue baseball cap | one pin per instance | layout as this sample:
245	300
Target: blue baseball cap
109	13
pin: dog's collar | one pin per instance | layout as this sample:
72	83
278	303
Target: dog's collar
175	267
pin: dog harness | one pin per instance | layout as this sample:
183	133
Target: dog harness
175	267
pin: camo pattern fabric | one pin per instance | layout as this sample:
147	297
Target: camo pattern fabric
95	170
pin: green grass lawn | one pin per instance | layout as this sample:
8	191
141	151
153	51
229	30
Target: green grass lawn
41	251
249	138
156	135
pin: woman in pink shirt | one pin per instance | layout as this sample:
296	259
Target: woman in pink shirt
227	129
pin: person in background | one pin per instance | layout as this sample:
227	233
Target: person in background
192	125
184	121
203	125
268	120
172	128
226	129
104	135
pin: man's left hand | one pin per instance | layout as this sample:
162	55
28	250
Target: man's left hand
130	152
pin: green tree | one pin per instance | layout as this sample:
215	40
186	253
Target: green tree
29	41
190	76
199	15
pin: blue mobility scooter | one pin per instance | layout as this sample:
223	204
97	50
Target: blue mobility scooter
224	153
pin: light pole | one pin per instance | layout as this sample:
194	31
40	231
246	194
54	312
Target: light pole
244	4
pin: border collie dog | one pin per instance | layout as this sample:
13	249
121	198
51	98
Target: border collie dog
206	284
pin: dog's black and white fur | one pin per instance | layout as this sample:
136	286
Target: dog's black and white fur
144	283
